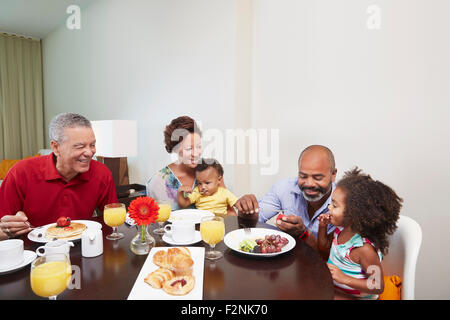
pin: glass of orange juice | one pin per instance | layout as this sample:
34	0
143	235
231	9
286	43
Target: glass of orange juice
50	275
212	230
163	215
114	215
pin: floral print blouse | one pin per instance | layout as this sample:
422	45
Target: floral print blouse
164	186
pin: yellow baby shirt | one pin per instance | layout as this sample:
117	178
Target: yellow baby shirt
216	203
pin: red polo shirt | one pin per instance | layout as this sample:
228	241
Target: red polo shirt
35	187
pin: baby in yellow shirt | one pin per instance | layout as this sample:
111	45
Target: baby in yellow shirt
208	195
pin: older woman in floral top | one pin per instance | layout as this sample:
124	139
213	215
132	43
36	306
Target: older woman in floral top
182	137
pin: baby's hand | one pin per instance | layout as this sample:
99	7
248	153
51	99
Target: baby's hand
324	220
185	190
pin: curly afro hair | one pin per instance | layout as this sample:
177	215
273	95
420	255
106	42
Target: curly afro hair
371	207
177	130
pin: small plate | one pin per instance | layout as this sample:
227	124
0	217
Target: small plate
28	257
233	238
190	215
33	235
168	239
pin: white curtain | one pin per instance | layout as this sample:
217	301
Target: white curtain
21	102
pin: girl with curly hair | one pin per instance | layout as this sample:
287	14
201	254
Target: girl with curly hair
365	213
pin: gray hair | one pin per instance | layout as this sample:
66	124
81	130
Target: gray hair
65	120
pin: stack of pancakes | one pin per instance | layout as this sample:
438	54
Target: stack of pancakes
72	231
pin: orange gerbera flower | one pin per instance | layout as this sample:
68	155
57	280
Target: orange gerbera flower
143	210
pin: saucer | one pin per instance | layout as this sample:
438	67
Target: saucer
28	257
169	240
189	215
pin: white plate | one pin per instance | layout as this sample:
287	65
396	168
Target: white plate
28	257
168	239
233	238
191	215
33	235
143	291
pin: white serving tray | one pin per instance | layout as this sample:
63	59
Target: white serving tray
143	291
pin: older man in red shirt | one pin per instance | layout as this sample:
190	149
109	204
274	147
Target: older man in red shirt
39	190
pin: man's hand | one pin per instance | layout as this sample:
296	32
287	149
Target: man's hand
291	224
16	225
247	204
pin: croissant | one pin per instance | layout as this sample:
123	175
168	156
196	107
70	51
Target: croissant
161	259
181	265
167	259
175	272
179	285
158	277
179	250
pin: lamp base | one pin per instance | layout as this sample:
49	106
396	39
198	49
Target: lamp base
118	168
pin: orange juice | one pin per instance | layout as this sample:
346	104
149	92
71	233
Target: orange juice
212	232
164	212
114	217
51	278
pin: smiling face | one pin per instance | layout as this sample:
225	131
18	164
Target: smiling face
208	181
337	207
190	150
74	153
315	175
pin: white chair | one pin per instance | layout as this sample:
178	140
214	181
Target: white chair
404	246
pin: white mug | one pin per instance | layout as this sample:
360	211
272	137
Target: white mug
11	253
181	231
55	247
91	242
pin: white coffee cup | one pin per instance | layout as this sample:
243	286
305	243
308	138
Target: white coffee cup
181	231
11	253
55	247
91	242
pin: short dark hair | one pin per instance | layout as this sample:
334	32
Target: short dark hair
371	207
209	163
177	130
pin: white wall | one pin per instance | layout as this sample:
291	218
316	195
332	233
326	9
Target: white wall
149	61
378	99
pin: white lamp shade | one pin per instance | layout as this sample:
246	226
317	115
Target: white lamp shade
115	138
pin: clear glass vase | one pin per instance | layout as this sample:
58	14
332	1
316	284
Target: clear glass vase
142	242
